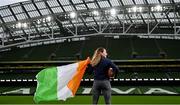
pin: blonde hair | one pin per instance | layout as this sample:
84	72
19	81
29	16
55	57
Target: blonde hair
97	56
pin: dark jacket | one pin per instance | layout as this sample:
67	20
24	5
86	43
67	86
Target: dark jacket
101	69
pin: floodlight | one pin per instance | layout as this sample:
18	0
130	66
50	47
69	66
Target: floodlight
19	25
140	9
24	25
96	13
113	12
159	8
134	9
48	18
73	15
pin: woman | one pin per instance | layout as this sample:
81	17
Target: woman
100	65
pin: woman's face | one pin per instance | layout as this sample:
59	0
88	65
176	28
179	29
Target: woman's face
104	53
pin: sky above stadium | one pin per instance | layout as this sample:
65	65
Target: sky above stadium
7	2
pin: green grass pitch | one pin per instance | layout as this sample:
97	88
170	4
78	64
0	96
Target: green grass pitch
87	100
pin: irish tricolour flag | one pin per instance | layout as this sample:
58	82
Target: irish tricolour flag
59	83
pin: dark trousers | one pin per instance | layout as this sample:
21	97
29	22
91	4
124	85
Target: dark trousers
103	86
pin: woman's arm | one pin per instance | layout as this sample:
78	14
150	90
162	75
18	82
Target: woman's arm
115	69
89	69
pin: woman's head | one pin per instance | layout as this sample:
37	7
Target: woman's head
99	52
104	53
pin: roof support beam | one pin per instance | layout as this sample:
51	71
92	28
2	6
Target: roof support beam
159	21
65	12
51	29
166	15
100	29
46	4
140	13
176	29
149	16
128	28
55	19
28	36
41	16
92	17
177	32
116	16
67	28
124	18
80	16
5	30
16	20
14	16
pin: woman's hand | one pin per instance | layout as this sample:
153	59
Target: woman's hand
110	73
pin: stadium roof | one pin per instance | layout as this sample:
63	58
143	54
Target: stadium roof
37	20
8	2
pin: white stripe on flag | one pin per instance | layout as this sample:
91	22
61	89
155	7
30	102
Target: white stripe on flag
64	75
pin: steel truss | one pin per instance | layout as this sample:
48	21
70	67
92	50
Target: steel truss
61	26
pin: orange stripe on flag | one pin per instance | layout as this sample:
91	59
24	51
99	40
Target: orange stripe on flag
74	83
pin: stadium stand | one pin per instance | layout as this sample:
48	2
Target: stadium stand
118	49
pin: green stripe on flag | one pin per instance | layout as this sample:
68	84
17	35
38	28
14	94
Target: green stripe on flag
47	85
